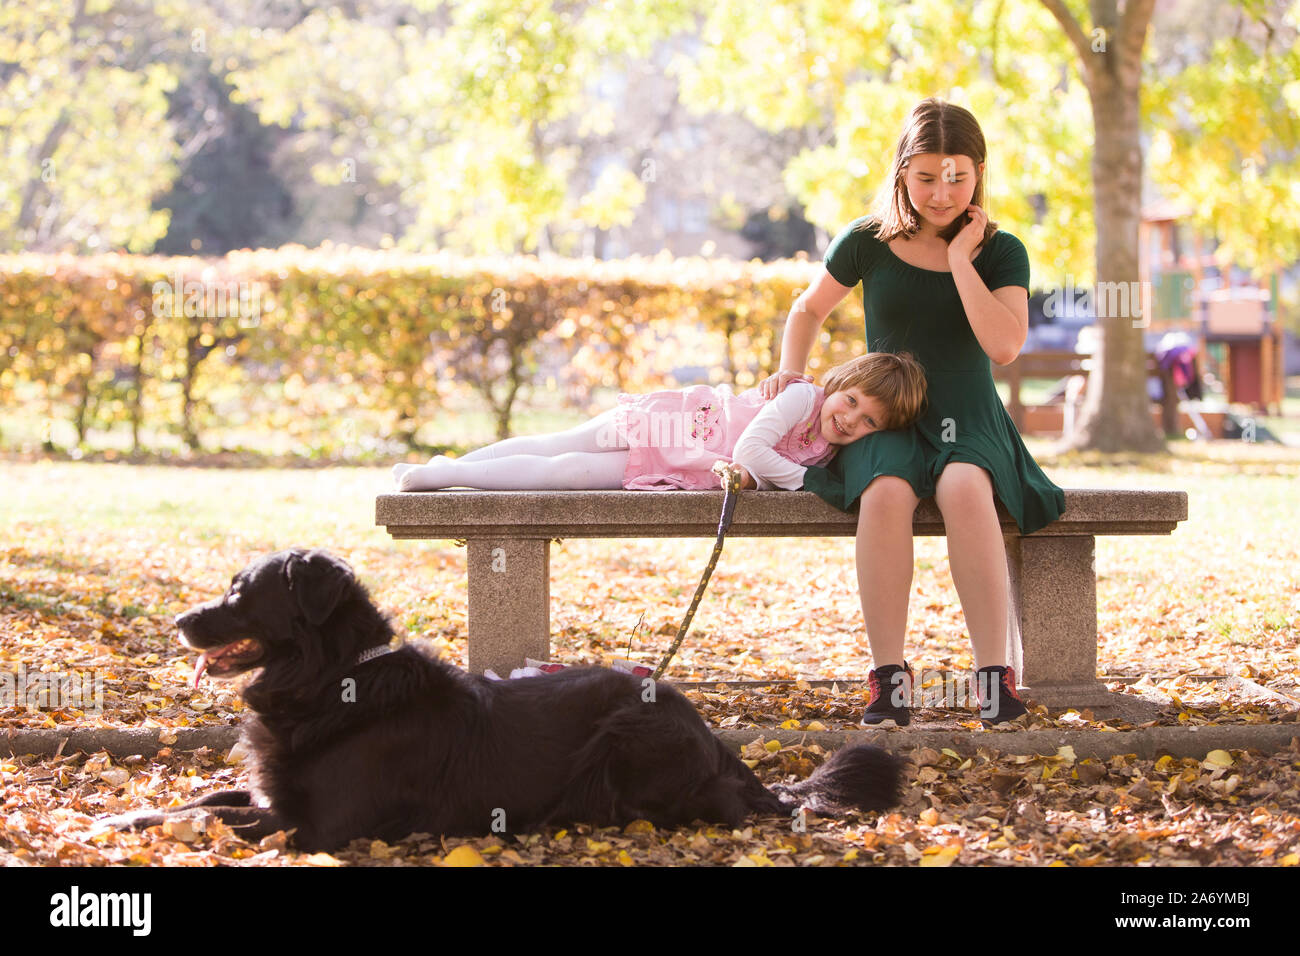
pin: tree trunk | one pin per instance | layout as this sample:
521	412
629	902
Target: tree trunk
189	409
505	410
1116	413
137	386
81	412
408	426
729	331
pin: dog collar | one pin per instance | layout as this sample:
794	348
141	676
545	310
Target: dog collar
371	653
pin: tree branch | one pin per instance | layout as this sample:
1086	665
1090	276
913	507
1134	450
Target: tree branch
35	183
993	53
1073	32
1133	28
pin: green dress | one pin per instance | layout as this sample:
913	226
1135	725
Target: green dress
919	311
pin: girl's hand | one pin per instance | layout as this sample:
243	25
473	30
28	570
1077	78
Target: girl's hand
721	468
963	245
770	388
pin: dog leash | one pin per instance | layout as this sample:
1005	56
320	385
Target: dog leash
730	475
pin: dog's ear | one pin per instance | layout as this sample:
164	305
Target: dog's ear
319	580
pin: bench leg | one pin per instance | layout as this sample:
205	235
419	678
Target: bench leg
509	603
1054	601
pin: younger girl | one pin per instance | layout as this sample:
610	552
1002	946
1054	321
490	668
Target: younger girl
671	439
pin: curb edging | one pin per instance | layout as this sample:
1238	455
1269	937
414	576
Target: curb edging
1146	743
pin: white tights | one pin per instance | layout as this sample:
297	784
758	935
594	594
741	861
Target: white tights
589	456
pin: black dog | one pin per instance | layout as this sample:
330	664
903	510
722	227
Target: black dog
351	739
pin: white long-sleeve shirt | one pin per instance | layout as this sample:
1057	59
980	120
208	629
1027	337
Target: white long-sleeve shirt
755	450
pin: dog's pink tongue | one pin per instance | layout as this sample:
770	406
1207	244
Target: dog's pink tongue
199	668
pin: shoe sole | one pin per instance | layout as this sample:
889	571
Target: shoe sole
999	721
887	723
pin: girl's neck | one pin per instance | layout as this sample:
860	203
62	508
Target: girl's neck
928	234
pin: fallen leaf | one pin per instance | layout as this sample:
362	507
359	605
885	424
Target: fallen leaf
940	856
1217	758
463	855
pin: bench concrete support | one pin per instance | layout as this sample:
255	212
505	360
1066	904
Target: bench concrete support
1054	602
509	602
1052	627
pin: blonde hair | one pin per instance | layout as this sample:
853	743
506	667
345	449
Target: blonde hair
895	379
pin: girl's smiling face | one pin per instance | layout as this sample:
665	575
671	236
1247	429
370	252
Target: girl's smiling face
850	414
940	187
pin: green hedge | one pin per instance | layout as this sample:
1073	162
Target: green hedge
307	341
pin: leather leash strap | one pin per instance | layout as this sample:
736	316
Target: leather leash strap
730	475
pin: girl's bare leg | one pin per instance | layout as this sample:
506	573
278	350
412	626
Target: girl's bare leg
884	563
977	556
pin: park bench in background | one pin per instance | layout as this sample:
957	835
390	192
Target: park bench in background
1052	418
1053	633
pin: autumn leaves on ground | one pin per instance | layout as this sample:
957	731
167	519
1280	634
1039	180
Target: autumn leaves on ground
98	559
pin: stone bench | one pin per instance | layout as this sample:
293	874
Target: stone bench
1052	640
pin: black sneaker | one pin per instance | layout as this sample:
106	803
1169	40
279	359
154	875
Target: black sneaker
996	689
891	689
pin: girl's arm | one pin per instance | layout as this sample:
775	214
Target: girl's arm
1000	318
755	451
801	328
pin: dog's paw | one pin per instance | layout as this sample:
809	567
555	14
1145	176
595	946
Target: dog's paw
136	820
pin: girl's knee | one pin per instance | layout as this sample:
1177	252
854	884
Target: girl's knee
601	433
963	485
890	492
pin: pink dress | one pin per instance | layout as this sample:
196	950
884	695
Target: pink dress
675	436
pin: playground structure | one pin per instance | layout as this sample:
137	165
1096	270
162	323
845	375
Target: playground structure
1224	318
1233	314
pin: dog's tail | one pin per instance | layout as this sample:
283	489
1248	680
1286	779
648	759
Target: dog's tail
860	777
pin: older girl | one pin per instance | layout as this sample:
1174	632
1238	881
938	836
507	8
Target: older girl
940	280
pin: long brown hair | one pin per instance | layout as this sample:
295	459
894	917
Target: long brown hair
932	127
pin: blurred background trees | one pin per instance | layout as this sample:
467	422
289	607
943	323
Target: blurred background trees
615	127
